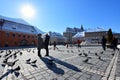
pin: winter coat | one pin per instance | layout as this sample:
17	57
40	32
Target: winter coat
40	42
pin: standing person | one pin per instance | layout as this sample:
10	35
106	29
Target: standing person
54	45
66	45
104	43
114	43
47	38
78	42
40	44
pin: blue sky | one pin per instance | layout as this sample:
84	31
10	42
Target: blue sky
56	15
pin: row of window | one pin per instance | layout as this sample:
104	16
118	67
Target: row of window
19	35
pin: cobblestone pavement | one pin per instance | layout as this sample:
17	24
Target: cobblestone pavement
86	63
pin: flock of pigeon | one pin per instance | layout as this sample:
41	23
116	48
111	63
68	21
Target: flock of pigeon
7	55
82	53
10	57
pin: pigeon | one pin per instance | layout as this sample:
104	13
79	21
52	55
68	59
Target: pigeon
1	51
67	50
80	54
112	54
88	51
96	54
101	52
17	68
34	61
12	63
15	55
86	60
78	50
33	51
85	54
99	57
10	51
6	55
3	65
72	51
29	50
21	53
5	60
28	60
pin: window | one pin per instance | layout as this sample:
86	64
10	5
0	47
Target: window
32	36
28	37
24	36
13	35
19	35
7	34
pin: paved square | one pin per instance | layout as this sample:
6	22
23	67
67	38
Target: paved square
85	63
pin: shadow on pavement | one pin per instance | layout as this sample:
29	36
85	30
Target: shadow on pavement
70	66
52	66
9	72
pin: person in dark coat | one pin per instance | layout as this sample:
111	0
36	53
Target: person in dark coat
104	43
46	43
40	44
114	43
54	45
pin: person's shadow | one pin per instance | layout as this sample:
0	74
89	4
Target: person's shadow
11	71
52	66
50	63
70	66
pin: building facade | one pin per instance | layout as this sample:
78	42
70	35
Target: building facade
70	32
14	33
93	36
96	37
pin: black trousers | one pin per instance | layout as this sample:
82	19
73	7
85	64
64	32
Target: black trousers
39	52
47	51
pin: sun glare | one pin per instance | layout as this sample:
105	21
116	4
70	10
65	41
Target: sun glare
28	11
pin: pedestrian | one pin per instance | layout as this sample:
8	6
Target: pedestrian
46	43
104	43
54	45
40	44
78	42
66	44
114	43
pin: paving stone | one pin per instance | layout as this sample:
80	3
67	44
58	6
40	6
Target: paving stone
61	78
77	75
86	75
71	78
95	77
82	78
66	75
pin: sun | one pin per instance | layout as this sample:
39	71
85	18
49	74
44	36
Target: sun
27	11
